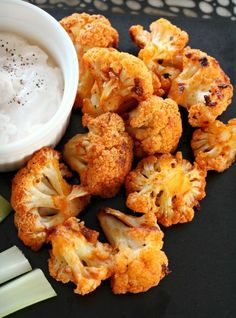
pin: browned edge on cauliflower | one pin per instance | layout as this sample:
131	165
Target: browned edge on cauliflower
42	198
87	31
161	50
139	261
103	156
214	146
77	256
121	80
166	185
202	88
155	125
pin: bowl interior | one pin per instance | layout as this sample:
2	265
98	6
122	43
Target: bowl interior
43	30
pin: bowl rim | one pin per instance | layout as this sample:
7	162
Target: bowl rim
68	96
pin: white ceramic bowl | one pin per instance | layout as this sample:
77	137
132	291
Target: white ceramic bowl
34	23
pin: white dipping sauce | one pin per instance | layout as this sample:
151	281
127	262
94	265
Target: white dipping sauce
31	88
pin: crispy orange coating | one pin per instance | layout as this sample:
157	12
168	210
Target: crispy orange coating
77	256
139	262
42	199
161	50
120	80
87	31
202	88
168	186
155	126
103	156
214	146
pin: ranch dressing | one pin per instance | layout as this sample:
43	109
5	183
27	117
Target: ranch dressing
31	88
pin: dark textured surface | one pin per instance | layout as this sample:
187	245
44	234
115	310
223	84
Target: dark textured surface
189	8
202	254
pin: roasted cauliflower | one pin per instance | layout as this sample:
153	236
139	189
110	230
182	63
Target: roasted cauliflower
214	146
161	50
168	186
87	31
202	88
120	81
103	156
77	256
42	199
139	261
155	126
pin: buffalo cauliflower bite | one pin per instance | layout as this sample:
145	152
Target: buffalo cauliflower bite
103	156
214	146
120	81
42	199
202	88
77	256
139	261
87	31
155	126
161	50
168	186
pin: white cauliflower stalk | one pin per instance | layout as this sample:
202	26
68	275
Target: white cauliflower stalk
139	261
42	198
79	257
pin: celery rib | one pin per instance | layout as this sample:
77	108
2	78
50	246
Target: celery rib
12	264
24	291
5	208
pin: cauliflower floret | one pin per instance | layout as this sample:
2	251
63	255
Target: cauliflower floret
214	146
168	186
139	262
202	88
161	50
77	256
120	81
103	156
87	31
155	126
42	199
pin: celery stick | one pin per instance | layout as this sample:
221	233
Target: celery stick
12	264
5	208
24	291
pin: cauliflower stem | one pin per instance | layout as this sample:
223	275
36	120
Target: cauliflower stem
139	261
120	81
161	51
202	88
214	146
87	31
166	185
42	198
78	256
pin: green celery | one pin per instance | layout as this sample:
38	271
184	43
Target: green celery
5	208
24	291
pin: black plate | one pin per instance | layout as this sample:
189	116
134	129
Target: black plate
202	254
